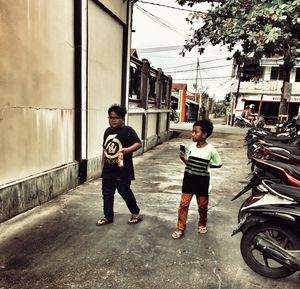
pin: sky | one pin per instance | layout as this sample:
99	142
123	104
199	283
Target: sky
165	30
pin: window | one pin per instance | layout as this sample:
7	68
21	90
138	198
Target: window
164	89
134	82
152	86
277	73
274	73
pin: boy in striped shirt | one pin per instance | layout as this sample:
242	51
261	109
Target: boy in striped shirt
199	158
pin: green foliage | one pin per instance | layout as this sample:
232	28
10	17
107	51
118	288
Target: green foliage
222	107
265	27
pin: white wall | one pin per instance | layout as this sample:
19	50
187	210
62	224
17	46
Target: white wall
118	7
105	53
37	87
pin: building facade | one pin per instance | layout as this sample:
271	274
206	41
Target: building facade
260	83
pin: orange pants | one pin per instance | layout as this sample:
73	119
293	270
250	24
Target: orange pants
184	207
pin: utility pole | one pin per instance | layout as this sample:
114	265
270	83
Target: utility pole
198	91
196	84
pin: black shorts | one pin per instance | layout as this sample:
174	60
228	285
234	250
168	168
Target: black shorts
197	185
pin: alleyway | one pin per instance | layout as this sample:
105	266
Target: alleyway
57	245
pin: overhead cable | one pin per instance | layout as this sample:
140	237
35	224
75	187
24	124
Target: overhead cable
216	59
159	20
172	7
215	77
158	49
202	68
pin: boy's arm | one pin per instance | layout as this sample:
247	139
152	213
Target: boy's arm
182	157
133	139
132	148
216	161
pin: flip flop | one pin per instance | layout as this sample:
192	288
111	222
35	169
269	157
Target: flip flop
202	230
102	222
177	234
135	220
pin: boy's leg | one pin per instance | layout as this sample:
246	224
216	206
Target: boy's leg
123	187
202	202
183	211
108	191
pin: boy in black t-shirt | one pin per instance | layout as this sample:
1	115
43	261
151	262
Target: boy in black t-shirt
118	139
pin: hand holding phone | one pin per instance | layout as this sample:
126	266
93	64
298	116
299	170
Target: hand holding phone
182	148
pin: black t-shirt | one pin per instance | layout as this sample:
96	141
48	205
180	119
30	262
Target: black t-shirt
113	141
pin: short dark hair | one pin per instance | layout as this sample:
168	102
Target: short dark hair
118	110
206	126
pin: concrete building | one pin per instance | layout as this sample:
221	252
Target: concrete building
179	92
260	83
63	63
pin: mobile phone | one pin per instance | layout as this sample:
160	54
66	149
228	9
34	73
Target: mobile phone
182	148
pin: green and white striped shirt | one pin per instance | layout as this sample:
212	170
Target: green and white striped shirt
201	159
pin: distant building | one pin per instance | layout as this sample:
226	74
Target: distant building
178	99
187	103
260	83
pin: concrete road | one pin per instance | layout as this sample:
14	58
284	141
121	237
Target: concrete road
57	245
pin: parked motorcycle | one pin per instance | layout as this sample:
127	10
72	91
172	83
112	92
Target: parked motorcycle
283	153
243	122
272	170
286	125
270	245
289	135
288	142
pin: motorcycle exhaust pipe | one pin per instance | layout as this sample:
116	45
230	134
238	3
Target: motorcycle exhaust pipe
277	253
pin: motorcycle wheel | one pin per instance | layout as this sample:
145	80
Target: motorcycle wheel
260	262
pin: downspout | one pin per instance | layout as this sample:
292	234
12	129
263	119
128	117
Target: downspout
126	57
80	39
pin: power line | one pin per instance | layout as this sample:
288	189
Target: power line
196	63
159	20
207	73
171	7
215	77
178	57
158	49
204	68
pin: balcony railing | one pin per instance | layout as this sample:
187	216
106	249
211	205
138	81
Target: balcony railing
260	85
148	88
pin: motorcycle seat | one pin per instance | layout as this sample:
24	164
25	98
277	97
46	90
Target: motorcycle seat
285	152
295	171
289	191
293	149
281	138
